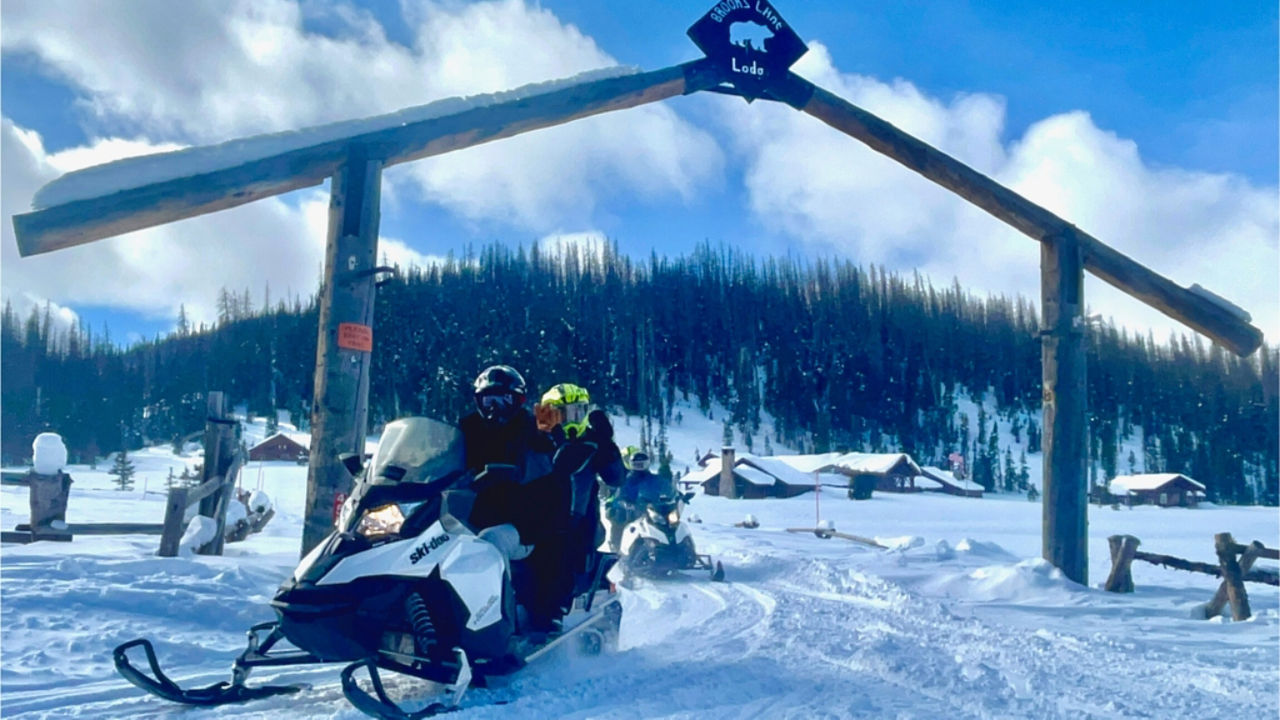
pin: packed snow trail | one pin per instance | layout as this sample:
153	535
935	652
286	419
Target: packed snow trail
804	629
942	626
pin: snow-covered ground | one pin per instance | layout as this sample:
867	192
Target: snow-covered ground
960	620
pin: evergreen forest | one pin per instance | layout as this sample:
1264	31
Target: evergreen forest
843	357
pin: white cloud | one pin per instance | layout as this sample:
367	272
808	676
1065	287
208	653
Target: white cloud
210	70
154	271
809	181
395	252
586	243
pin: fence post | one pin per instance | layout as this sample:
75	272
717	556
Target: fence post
174	509
1123	548
1232	577
221	453
1214	607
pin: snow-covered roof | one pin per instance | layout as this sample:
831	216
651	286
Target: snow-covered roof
808	463
946	477
702	474
303	439
753	475
1123	484
927	483
136	172
778	468
874	463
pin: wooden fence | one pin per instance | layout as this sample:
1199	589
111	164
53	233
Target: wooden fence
1234	573
222	462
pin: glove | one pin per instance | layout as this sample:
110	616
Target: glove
599	428
548	417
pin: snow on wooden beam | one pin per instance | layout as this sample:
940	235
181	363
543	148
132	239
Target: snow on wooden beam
1226	325
87	219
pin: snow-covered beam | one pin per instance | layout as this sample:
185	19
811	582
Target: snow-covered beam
137	193
1221	321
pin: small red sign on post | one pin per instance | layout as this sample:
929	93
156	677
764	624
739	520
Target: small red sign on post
338	500
354	336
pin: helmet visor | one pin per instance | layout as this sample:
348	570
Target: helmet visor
495	406
574	412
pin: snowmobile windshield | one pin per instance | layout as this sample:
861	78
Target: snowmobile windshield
654	489
416	450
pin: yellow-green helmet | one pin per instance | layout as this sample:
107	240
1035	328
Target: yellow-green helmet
573	402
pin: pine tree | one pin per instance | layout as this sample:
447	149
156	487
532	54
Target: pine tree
123	470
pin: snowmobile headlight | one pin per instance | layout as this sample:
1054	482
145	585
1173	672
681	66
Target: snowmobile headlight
379	521
673	517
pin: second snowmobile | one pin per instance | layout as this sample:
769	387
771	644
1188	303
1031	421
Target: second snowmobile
403	584
657	543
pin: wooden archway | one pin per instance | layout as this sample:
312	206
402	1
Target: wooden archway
101	202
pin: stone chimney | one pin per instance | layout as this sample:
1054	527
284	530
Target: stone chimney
728	488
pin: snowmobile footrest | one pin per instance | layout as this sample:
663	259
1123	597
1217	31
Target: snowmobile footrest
385	708
162	686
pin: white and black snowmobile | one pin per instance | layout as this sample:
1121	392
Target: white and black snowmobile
656	543
402	584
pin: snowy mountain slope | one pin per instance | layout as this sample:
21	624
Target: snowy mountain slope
963	622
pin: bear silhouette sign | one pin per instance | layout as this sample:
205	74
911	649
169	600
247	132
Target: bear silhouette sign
749	44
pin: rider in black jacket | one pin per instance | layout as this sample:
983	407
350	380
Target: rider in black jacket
534	495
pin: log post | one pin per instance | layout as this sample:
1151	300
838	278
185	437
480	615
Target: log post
220	455
1065	509
1214	607
1232	576
340	409
174	510
1123	548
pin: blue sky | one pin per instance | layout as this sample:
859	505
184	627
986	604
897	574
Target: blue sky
1151	125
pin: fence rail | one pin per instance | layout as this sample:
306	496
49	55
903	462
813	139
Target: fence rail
1234	572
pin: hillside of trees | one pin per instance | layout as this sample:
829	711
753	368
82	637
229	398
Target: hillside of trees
842	356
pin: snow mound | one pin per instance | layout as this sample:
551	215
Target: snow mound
1027	579
236	512
50	453
979	548
199	532
259	502
900	544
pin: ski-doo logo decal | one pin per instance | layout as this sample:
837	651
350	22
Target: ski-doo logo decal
484	609
426	547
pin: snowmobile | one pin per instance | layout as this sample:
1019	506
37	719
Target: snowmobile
402	584
657	543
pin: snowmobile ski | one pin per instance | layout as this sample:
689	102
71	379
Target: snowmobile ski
385	708
257	654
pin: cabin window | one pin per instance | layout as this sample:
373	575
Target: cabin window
1164	498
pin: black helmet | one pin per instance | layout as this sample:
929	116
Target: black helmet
499	393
